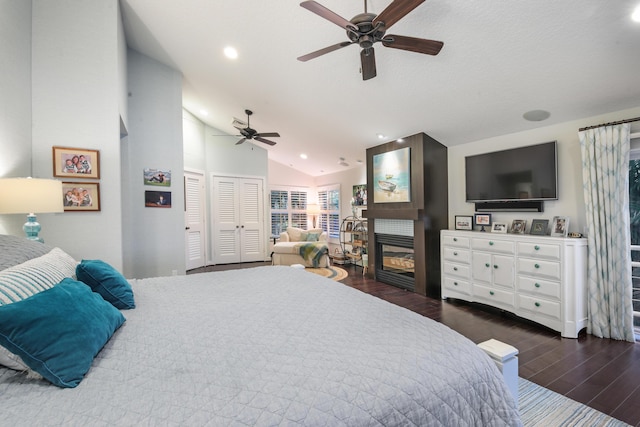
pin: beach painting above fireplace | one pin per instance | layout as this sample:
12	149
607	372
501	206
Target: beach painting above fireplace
392	176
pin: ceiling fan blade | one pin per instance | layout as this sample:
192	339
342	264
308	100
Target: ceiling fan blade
241	141
368	63
266	141
396	11
327	14
320	52
429	47
267	134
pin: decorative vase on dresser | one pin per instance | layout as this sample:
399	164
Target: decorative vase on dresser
539	278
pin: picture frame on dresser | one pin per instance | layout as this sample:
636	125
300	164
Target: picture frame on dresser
560	226
518	226
464	222
482	220
539	227
499	227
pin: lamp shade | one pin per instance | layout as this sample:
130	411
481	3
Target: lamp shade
313	209
30	195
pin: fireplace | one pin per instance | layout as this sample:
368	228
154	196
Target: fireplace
395	260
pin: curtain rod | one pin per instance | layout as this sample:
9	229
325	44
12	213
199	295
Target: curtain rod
611	124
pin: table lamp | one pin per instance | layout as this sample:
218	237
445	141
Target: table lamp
314	210
30	196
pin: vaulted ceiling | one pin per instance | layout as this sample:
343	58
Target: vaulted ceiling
572	58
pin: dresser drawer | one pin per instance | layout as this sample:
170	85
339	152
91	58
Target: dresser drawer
457	241
457	255
539	287
538	268
458	270
494	297
539	306
457	285
496	246
538	250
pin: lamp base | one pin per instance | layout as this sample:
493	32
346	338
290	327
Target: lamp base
32	228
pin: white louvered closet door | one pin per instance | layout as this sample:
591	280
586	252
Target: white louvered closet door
238	220
194	220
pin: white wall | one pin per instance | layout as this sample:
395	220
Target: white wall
571	197
280	174
154	238
15	99
75	84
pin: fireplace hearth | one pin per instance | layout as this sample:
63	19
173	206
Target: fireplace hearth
395	260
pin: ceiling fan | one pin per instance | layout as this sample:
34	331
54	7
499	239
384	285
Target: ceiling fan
366	29
248	133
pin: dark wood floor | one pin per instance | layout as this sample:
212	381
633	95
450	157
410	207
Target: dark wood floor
603	374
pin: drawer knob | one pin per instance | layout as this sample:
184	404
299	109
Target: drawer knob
537	304
455	268
537	265
490	243
455	254
487	265
455	239
455	283
536	247
491	293
495	266
537	285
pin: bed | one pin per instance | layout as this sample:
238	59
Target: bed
261	347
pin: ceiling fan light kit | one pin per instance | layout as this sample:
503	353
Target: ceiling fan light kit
366	29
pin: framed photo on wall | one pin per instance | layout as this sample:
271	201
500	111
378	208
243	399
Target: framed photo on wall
76	162
157	199
464	222
157	177
81	196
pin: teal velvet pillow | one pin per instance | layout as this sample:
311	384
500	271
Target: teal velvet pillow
106	281
313	237
58	332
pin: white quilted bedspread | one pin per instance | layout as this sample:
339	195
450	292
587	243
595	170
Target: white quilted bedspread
269	346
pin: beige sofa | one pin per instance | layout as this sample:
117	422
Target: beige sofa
313	242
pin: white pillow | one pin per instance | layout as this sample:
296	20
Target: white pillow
29	278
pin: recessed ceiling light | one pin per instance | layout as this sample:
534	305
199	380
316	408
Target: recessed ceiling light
204	112
303	156
342	162
230	52
536	115
400	139
381	136
359	161
636	14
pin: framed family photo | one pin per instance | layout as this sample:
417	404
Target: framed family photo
518	226
81	196
464	222
539	227
482	220
560	226
158	177
76	163
499	227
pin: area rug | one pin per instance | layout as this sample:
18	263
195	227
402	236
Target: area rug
333	272
540	406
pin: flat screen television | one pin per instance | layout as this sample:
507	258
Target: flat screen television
523	173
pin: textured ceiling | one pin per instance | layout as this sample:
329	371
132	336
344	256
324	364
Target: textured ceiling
573	58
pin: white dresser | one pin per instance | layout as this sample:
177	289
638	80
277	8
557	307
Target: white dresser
539	278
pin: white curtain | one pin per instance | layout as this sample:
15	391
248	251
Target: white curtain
605	172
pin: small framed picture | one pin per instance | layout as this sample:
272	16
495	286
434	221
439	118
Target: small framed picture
157	199
157	177
482	220
560	226
518	226
76	163
539	227
464	222
499	227
81	196
348	226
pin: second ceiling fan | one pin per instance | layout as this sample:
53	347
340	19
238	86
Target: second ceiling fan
366	29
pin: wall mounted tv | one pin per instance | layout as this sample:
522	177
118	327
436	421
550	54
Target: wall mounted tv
519	174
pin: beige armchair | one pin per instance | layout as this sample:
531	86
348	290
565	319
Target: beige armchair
298	246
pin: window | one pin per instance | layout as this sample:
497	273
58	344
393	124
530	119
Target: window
329	218
634	212
288	209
